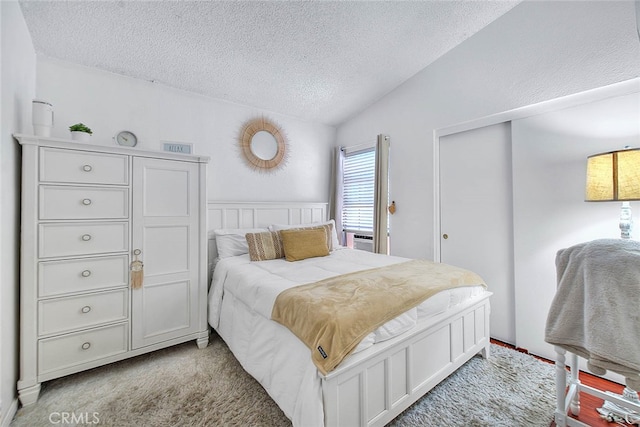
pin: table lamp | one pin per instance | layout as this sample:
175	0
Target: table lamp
615	176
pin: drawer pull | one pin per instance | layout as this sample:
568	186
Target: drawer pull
86	202
86	237
86	309
86	273
86	346
87	168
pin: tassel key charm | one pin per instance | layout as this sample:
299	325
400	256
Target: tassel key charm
137	271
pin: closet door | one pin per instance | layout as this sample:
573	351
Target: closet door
165	222
476	218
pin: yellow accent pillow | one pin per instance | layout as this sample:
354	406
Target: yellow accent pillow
305	243
332	236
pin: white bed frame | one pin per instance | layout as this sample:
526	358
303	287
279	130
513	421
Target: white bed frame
568	399
374	386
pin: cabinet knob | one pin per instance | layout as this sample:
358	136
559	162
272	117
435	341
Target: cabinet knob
86	273
445	236
86	346
86	237
86	202
87	168
86	309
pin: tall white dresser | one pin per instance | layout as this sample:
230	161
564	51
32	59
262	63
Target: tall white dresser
86	211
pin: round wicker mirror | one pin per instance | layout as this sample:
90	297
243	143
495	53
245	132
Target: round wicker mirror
263	144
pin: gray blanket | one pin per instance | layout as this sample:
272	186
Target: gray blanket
596	311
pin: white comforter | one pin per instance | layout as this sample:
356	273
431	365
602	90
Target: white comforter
241	298
259	283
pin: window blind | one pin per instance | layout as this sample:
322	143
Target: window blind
358	190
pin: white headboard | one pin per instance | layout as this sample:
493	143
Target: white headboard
258	215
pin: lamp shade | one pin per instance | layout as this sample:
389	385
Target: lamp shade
613	176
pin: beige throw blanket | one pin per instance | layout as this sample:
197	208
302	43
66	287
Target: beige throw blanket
333	315
595	312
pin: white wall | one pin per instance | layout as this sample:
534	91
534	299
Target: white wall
108	103
18	89
538	51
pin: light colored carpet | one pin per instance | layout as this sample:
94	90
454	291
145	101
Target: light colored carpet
185	386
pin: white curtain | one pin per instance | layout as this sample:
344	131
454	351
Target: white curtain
638	16
381	198
337	188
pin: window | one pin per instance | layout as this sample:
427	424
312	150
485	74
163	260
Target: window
358	191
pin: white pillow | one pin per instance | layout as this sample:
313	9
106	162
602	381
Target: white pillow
335	243
232	241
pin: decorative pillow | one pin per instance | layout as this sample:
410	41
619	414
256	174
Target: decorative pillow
231	241
304	243
333	241
264	246
326	228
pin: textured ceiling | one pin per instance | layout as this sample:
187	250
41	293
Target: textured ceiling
317	60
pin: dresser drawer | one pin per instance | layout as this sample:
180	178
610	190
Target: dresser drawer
56	240
58	165
81	347
83	203
78	275
80	312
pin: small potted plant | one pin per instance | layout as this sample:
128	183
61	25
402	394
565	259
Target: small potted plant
80	132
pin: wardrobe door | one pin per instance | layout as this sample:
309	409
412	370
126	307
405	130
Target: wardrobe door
165	221
476	218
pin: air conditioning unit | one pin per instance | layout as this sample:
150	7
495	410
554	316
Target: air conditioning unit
363	242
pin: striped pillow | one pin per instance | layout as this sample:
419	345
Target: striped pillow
264	246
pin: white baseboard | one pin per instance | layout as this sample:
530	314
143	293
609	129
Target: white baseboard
8	415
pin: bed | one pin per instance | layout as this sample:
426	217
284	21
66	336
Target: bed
388	371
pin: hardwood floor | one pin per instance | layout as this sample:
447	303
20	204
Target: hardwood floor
588	403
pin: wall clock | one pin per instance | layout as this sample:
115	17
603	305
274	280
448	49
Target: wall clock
126	138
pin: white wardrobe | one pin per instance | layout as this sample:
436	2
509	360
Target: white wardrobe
87	212
511	194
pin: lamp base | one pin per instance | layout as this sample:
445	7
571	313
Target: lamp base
626	221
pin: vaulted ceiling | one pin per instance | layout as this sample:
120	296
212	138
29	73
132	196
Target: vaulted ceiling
322	61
